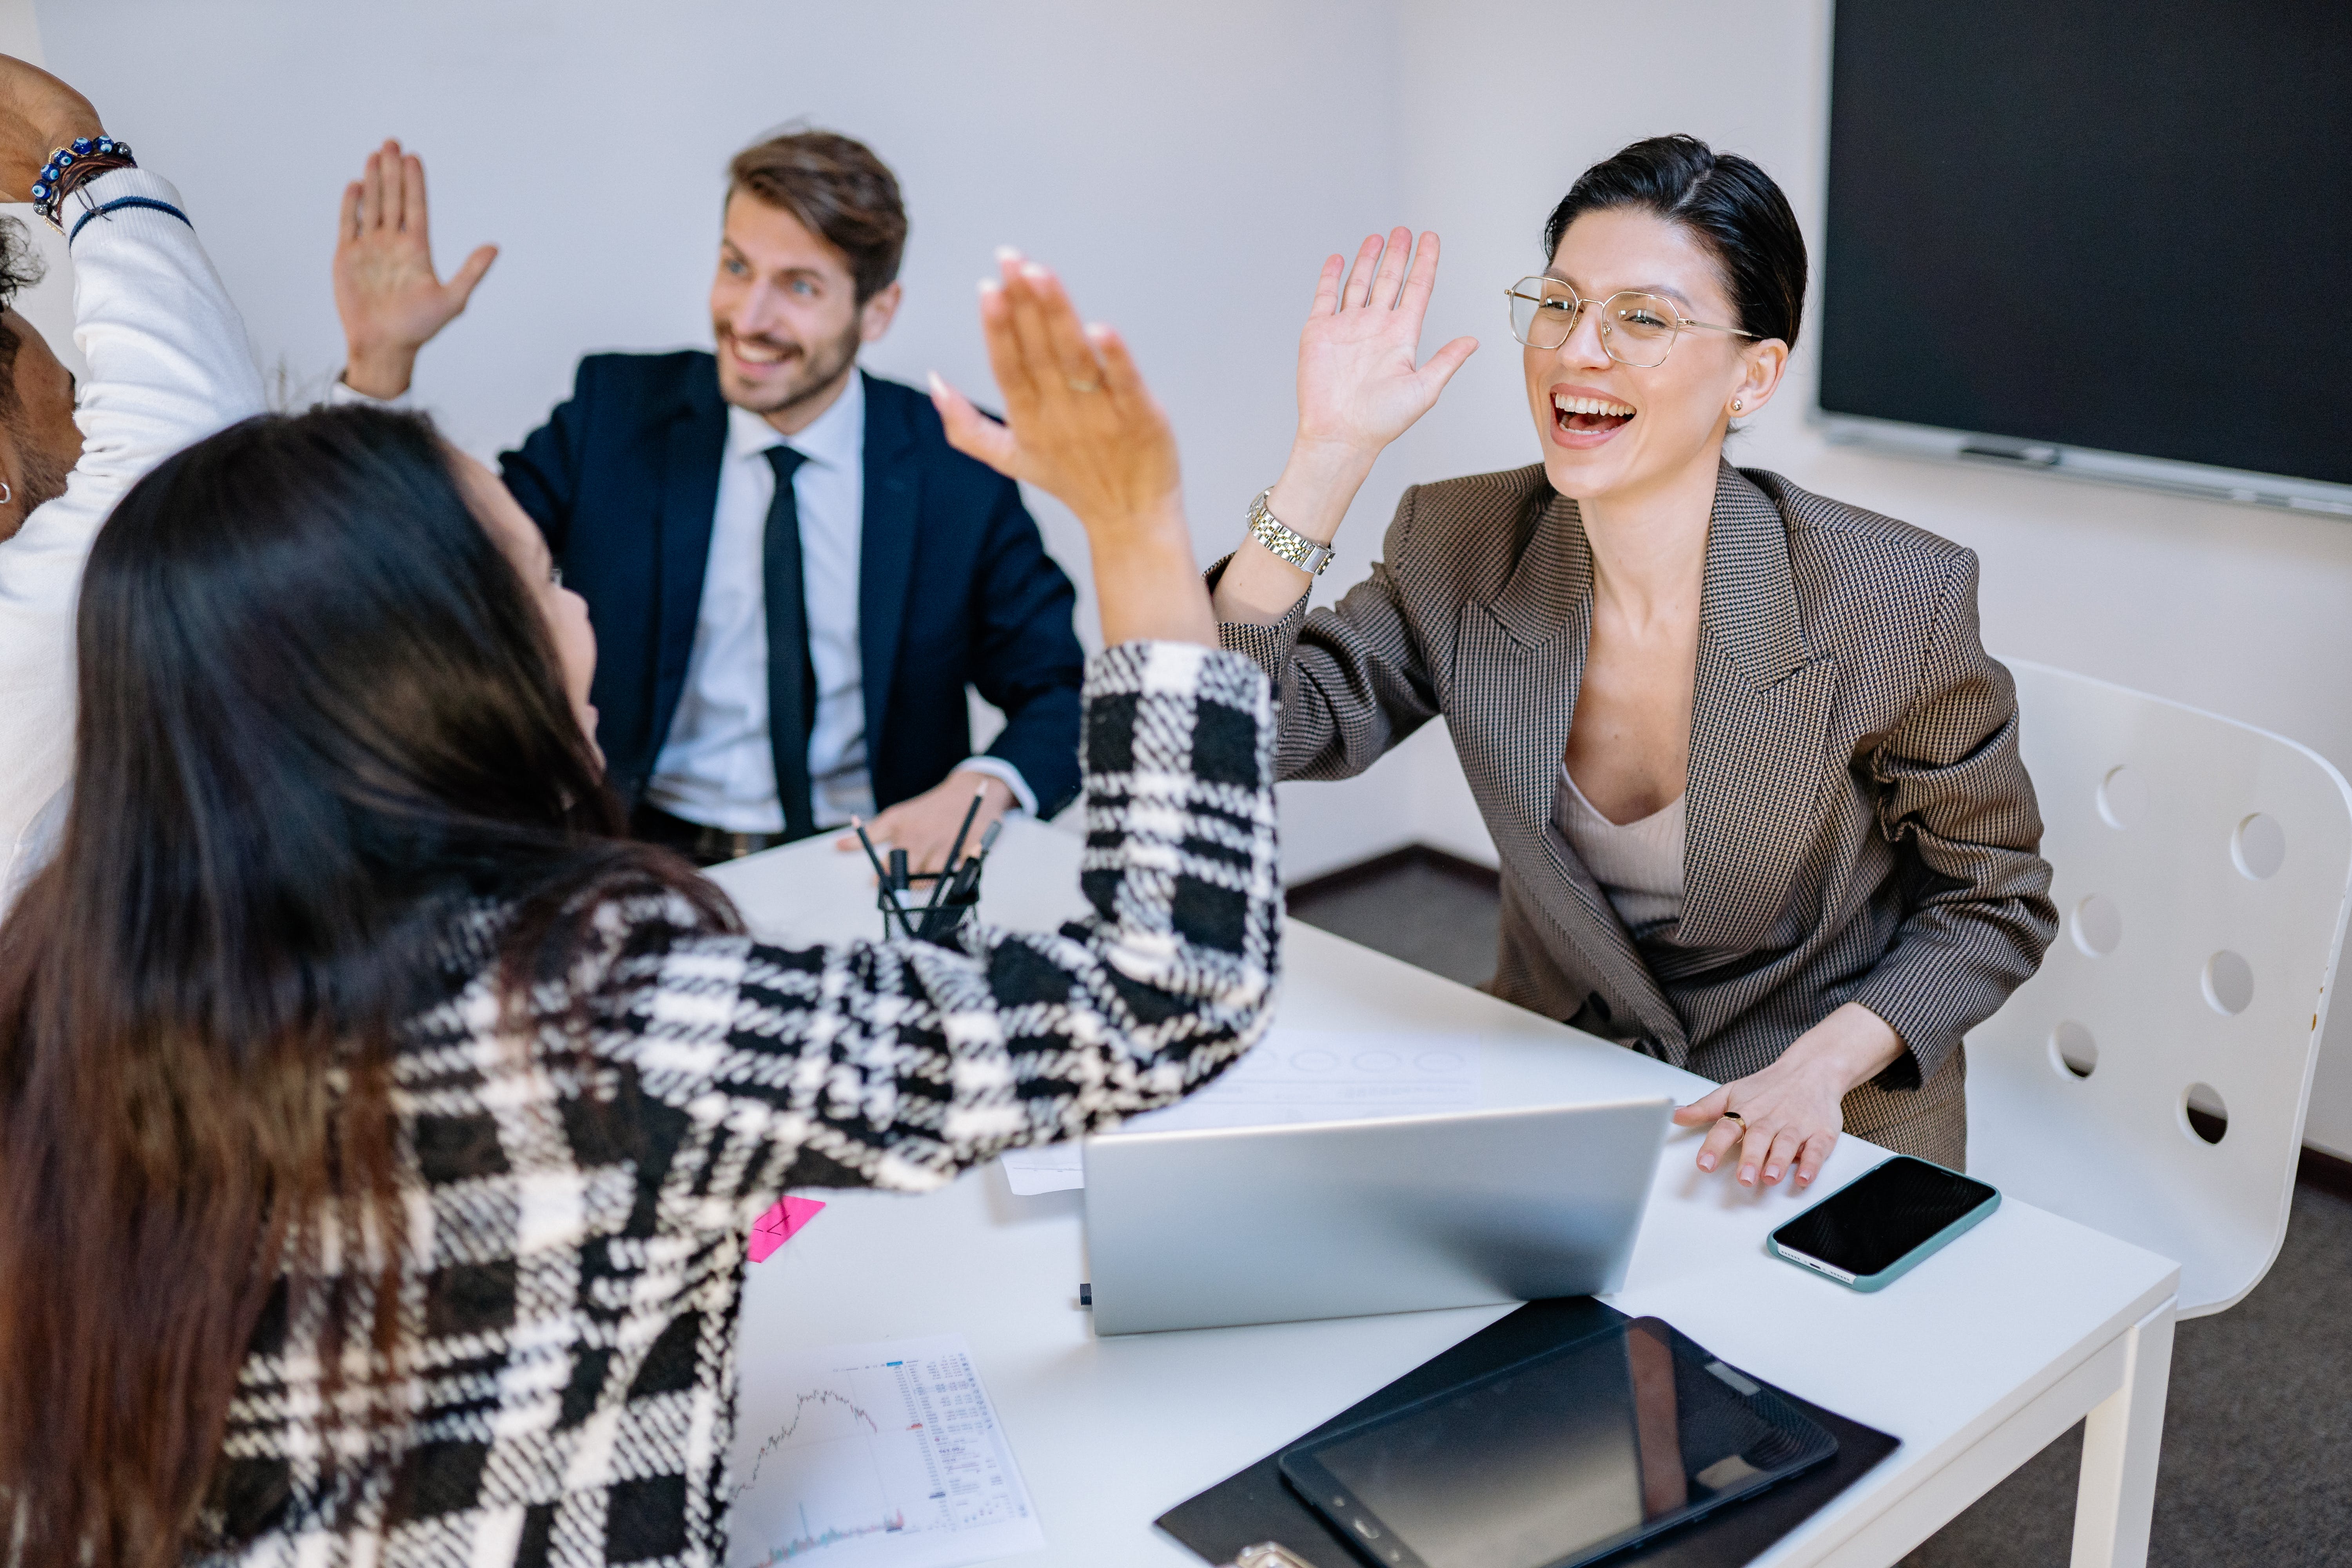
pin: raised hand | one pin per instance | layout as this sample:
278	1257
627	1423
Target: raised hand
1360	385
1080	425
1079	421
38	114
391	300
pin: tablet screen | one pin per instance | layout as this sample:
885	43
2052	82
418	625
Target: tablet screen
1560	1460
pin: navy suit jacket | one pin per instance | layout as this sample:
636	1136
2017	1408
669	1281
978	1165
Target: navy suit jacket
955	585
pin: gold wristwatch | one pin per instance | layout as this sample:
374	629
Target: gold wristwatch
1285	540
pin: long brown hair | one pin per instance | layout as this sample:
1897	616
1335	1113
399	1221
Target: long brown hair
319	721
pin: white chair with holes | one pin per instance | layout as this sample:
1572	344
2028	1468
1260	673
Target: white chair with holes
2151	1080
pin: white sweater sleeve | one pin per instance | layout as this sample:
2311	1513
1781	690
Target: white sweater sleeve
342	394
168	365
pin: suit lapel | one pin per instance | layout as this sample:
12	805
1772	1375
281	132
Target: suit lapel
695	446
1520	666
1759	715
887	551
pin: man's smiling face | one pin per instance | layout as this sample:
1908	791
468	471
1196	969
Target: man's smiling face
785	310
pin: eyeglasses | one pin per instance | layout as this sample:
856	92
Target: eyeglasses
1637	329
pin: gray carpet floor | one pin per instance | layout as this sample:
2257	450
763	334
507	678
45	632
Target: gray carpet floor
1423	911
2257	1466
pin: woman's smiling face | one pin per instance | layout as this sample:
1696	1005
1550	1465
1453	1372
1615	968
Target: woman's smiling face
1610	429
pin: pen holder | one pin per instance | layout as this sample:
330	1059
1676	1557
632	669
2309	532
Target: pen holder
897	916
905	912
938	924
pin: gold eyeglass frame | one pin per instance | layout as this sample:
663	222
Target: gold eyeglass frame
1682	323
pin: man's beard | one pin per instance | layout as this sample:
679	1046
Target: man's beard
824	369
40	478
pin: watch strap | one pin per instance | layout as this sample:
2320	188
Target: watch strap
1285	541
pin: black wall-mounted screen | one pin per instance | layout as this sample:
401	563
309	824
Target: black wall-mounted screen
2122	226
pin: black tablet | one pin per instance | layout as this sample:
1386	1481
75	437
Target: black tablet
1558	1460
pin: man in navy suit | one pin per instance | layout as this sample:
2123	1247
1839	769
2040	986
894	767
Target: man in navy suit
791	577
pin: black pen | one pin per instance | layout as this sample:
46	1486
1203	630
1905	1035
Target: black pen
939	885
870	852
882	877
968	880
966	883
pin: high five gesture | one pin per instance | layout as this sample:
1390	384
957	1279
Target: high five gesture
1080	425
391	300
1361	384
38	113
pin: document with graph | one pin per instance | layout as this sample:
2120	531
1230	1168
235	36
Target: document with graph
880	1456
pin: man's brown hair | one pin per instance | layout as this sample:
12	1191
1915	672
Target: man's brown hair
838	189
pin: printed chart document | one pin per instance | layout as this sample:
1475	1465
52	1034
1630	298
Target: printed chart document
880	1456
1294	1075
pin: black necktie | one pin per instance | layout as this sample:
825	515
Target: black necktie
792	674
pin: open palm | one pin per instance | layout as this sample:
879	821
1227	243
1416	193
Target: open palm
1358	382
387	292
1080	423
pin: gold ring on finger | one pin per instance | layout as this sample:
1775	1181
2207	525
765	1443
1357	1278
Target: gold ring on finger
1733	1116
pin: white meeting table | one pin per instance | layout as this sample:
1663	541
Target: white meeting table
1975	1361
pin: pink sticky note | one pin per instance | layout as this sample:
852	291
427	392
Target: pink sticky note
779	1224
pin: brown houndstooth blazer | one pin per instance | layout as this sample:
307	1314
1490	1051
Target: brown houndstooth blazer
1860	826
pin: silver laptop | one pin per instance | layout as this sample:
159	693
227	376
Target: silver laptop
1266	1225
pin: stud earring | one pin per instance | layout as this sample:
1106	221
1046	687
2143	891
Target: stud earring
1735	406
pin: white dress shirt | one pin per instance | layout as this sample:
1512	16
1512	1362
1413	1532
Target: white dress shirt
716	766
168	365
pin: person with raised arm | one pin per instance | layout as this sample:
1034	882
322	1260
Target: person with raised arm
384	1128
1753	779
796	579
168	364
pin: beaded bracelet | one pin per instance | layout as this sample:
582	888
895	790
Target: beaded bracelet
81	160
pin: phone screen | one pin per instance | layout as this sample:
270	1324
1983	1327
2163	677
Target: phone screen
1866	1226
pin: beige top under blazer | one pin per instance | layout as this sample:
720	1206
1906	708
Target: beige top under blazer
1858	825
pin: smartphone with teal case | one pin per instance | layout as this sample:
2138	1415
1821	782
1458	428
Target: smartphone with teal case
1882	1225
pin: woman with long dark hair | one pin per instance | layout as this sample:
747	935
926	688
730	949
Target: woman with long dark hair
1753	779
382	1130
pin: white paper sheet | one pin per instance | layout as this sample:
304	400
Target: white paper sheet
1294	1075
1056	1168
874	1455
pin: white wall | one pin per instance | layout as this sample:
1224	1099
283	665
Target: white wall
1187	168
1160	158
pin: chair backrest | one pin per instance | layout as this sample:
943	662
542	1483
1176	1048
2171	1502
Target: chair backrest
2151	1080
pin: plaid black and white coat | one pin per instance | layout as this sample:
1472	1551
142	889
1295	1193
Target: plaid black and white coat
577	1219
1860	826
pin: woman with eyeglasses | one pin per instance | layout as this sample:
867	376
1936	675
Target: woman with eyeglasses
1753	779
381	1129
